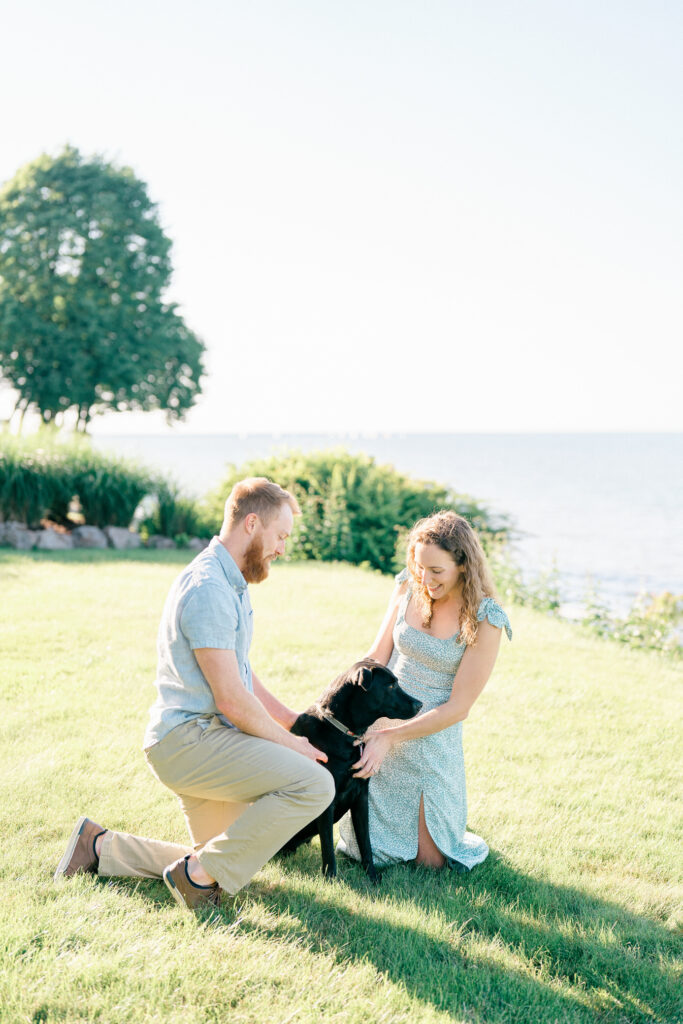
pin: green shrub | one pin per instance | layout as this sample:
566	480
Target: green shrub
174	515
540	591
654	621
353	510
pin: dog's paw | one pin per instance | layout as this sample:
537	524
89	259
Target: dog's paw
373	874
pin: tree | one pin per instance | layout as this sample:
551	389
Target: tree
84	264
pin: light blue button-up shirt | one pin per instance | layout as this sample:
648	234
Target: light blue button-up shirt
207	606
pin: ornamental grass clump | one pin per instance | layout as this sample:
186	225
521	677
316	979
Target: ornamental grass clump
35	480
108	490
44	477
175	515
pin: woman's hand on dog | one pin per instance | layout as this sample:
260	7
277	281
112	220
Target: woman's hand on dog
375	749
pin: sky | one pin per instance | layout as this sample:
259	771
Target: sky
442	216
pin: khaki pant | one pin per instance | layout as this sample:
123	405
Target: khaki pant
242	798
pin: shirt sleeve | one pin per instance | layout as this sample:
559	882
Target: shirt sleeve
491	610
210	618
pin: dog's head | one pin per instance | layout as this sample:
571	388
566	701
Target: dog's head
366	692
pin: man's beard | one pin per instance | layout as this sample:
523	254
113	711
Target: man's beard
255	565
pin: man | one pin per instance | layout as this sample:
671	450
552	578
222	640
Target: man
216	736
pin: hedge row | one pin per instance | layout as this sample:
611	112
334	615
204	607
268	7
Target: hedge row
353	509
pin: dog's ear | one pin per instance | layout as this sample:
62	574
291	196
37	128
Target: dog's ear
380	672
362	677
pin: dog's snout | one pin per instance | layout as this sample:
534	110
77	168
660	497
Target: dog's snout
404	706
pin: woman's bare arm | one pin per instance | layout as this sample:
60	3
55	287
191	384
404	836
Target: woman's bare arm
383	643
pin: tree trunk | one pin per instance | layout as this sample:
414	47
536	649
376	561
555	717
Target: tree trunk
83	419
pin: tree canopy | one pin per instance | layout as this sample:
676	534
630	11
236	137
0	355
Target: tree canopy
84	264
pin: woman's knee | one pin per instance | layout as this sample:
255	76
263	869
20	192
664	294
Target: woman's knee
428	853
431	859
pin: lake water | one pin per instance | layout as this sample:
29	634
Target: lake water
605	506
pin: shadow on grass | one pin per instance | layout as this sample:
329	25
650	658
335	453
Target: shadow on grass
494	945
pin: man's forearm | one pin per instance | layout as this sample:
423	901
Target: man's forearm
250	715
243	708
275	708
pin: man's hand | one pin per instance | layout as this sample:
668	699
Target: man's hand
244	709
308	750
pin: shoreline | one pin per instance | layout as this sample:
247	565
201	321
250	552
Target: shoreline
599	506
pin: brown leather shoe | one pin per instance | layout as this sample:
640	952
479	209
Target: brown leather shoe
185	891
79	856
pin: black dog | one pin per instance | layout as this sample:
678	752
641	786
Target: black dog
350	705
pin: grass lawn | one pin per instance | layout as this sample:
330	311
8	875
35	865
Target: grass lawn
574	764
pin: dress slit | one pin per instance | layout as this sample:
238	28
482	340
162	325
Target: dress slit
422	803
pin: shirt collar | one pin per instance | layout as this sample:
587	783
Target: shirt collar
228	565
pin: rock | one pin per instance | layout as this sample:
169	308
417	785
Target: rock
18	536
88	537
51	540
122	539
197	543
159	542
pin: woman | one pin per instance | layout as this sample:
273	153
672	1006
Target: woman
440	635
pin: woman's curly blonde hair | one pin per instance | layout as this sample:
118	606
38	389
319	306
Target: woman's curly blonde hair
450	532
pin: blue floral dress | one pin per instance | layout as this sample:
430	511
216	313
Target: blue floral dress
432	766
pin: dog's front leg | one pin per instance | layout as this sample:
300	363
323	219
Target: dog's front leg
325	830
359	817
